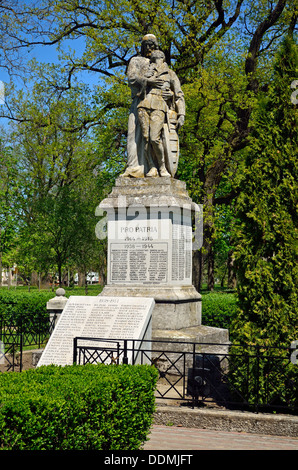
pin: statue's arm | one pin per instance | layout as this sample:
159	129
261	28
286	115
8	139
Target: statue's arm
135	73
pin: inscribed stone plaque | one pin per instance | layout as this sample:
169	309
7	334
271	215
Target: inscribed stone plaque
150	251
98	317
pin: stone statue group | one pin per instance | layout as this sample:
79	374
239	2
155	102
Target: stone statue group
156	115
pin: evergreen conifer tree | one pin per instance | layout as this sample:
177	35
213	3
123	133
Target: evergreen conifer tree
266	227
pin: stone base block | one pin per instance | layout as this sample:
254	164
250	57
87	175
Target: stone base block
174	354
212	340
147	192
158	293
175	307
176	315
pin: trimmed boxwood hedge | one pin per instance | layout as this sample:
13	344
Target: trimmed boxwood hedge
91	407
17	304
218	309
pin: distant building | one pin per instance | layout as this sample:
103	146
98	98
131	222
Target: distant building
92	278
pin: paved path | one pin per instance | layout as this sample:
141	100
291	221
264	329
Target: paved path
182	438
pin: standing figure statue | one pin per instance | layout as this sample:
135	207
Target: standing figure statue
157	113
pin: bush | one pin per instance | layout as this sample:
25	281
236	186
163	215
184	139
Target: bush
18	303
25	312
218	309
14	304
92	407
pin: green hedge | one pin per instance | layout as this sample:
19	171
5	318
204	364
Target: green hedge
14	304
218	309
92	407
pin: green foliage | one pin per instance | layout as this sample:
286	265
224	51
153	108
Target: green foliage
218	309
266	233
263	376
18	302
92	407
212	99
9	190
15	303
56	160
24	307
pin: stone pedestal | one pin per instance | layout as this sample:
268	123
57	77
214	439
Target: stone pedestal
55	306
150	241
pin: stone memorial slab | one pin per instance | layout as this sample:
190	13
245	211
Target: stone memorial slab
98	317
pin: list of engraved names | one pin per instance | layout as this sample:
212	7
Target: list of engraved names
167	260
96	317
139	262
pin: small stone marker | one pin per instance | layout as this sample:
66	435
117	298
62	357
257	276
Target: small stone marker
97	317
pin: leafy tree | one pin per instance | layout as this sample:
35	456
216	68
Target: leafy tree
221	100
220	49
57	161
266	226
9	188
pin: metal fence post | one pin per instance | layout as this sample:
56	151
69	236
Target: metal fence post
258	379
75	344
21	351
125	358
193	374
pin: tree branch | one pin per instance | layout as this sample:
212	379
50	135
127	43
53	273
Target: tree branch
254	47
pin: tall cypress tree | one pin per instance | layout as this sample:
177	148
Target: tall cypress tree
266	227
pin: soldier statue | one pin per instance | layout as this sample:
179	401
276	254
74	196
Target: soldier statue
156	115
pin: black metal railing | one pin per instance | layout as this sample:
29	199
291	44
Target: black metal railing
19	333
233	376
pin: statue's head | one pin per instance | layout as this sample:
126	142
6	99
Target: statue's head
149	44
157	54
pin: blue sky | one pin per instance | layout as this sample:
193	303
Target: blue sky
49	54
46	54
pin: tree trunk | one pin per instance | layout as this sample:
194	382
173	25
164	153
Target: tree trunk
210	267
9	278
197	269
231	272
208	243
60	274
34	278
81	279
86	284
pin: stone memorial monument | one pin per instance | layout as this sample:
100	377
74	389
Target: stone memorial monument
149	214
